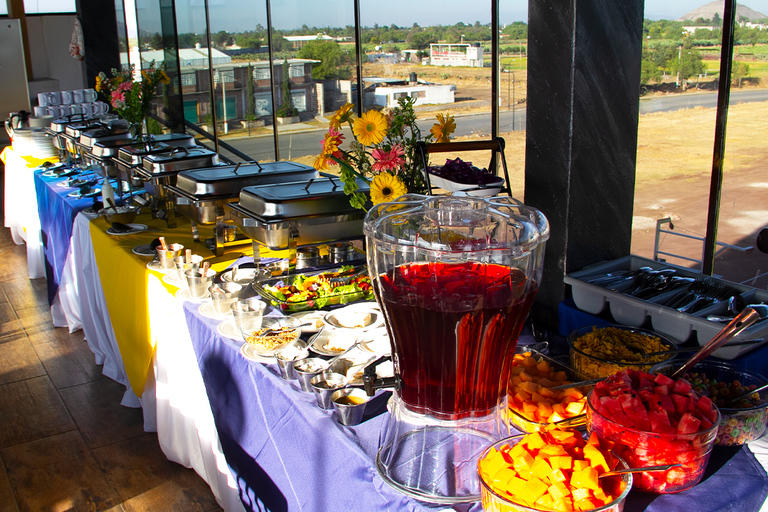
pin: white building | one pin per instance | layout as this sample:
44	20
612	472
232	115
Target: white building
424	94
469	55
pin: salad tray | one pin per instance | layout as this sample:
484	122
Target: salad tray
316	290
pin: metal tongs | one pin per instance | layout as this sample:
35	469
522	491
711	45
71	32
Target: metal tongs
743	320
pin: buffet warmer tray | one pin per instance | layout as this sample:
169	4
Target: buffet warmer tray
159	171
286	215
201	194
128	156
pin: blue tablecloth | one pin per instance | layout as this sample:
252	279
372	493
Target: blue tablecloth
287	454
57	212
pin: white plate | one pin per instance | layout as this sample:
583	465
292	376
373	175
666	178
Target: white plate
155	265
228	329
144	250
376	341
343	338
93	193
135	228
249	352
172	278
208	311
183	294
335	318
310	316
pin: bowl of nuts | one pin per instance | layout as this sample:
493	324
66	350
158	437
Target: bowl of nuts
275	333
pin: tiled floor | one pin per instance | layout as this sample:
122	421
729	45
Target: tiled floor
66	443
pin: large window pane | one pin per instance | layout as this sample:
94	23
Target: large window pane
46	6
675	146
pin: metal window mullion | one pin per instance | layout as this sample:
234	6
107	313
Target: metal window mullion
210	75
273	91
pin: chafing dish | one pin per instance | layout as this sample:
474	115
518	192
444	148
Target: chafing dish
201	194
285	215
126	155
159	170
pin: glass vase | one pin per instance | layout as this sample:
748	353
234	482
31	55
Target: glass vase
137	130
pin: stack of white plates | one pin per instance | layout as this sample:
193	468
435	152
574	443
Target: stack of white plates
33	142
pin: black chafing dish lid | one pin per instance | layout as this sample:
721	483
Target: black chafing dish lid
228	180
316	197
59	125
179	159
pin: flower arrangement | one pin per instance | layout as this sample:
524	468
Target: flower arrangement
131	98
383	152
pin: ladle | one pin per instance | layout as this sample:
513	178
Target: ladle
743	320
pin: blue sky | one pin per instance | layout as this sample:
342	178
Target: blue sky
241	15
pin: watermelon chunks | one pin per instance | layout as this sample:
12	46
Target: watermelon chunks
654	420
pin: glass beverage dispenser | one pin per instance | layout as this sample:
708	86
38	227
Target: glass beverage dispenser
455	278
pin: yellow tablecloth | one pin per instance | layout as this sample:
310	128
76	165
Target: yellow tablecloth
124	277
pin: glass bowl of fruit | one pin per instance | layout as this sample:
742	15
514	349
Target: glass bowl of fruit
534	402
602	350
740	422
551	470
653	420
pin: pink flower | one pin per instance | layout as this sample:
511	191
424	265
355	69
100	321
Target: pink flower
388	160
125	86
118	99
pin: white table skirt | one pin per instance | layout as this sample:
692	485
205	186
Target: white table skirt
174	401
20	214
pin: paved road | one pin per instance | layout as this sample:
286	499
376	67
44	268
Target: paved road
298	144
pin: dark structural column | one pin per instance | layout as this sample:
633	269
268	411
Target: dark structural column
581	142
102	50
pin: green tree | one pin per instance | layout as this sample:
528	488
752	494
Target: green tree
740	70
649	72
156	41
335	62
421	40
286	108
516	30
250	113
221	38
688	61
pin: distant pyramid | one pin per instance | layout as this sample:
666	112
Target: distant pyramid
708	11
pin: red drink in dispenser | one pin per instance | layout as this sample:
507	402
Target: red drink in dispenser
452	325
455	278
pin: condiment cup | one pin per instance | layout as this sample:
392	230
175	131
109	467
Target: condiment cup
324	384
223	295
166	257
181	265
349	405
198	283
249	314
287	355
308	368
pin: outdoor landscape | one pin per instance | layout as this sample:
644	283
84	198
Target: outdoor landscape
674	159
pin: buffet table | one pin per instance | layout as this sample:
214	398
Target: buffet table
256	439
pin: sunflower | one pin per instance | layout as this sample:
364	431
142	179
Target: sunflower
370	128
98	83
341	116
444	127
386	188
164	78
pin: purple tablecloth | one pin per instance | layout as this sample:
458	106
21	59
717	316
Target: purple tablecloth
57	212
287	454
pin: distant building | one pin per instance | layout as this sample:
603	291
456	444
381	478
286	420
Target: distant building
386	92
469	55
300	41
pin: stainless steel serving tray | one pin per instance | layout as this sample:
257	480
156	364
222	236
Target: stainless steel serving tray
310	212
228	180
179	159
316	197
132	154
59	125
93	136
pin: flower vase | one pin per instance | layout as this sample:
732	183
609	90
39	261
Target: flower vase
137	130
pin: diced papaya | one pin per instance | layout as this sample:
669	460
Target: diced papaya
556	416
585	504
502	477
579	465
573	393
545	410
535	489
575	408
563	505
594	440
541	469
587	477
529	361
535	441
522	461
542	367
596	458
561	462
544	503
546	392
492	462
557	475
581	493
552	450
524	377
536	398
558	490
